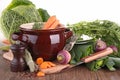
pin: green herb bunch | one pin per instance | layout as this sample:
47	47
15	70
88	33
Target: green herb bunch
108	31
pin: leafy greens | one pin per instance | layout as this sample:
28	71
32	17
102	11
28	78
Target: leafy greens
79	51
109	32
19	12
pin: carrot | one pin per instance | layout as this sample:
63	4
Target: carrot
6	42
39	60
40	74
51	64
54	25
45	65
49	22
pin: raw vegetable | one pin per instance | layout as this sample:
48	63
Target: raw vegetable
49	22
108	31
97	55
100	45
38	25
114	48
44	14
7	42
31	64
97	64
17	13
63	57
54	25
10	20
31	11
39	61
51	64
43	65
80	50
47	64
5	48
16	3
40	74
112	63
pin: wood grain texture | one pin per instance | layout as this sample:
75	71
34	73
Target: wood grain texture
77	73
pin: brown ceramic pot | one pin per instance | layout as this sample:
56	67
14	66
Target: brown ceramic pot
43	43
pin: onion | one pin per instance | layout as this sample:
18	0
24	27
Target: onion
63	57
115	49
100	45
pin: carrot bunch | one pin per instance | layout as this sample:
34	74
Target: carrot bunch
43	65
51	23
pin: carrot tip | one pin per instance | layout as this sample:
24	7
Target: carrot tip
50	22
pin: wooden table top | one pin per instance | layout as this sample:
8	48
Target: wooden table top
77	73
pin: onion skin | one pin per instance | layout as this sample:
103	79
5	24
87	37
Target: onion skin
63	57
100	45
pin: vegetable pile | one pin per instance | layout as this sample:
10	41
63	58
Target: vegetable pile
104	34
105	30
51	23
43	65
19	12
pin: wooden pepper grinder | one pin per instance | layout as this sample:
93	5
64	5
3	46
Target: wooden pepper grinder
18	63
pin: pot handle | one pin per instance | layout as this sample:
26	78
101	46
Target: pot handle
68	33
20	36
17	36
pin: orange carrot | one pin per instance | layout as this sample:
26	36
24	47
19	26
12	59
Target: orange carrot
49	22
54	25
51	64
6	42
39	60
45	65
40	74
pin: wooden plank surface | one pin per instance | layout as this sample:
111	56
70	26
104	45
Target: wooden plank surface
77	73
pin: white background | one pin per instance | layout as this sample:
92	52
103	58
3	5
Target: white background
72	11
